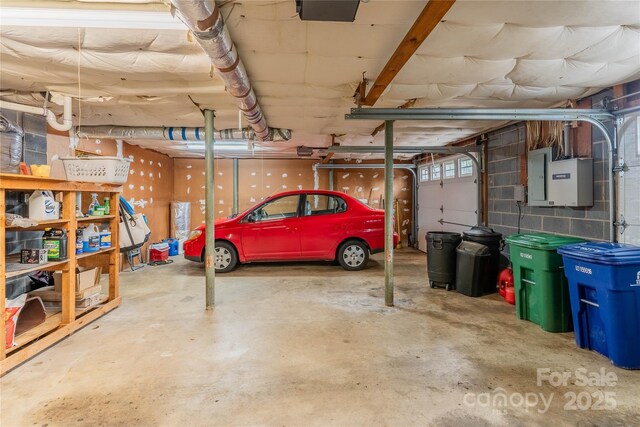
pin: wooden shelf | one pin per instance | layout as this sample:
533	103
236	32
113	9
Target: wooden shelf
34	267
90	254
94	218
10	181
51	323
47	339
41	225
61	323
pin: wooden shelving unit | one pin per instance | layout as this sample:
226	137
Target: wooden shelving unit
61	324
96	218
41	225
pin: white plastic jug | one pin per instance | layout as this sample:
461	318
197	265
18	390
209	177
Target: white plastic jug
91	239
42	206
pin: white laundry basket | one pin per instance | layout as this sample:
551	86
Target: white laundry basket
105	169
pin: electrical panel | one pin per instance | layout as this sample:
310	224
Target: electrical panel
537	164
566	182
571	182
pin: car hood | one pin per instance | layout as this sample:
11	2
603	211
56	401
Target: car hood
220	222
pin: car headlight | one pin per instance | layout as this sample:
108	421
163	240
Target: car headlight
194	234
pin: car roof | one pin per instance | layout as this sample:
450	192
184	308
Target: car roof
297	192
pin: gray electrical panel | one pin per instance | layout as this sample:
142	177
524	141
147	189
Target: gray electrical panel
537	164
571	182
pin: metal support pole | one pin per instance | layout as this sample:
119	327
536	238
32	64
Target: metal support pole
331	176
414	213
209	252
388	213
235	186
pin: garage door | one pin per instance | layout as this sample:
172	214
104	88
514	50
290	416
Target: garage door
629	190
447	192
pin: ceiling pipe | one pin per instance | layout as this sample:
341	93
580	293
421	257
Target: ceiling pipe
205	22
177	134
67	121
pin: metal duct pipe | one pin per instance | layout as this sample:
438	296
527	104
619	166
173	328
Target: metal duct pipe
205	22
180	134
43	111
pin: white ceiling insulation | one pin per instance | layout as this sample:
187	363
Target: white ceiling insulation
483	54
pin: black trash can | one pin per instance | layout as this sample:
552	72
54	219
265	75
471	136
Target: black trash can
493	240
441	258
472	265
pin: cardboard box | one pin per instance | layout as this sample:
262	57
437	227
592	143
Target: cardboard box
85	278
33	256
80	304
49	293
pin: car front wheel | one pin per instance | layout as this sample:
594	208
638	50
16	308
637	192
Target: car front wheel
225	257
353	255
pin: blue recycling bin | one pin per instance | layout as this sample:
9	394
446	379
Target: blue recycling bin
604	290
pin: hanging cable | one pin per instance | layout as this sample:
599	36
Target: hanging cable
520	214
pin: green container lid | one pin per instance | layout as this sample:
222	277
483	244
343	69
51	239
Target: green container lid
543	241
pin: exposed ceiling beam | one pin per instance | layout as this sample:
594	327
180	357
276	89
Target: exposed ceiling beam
327	157
430	16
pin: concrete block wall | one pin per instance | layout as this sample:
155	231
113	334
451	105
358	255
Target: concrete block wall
34	151
505	147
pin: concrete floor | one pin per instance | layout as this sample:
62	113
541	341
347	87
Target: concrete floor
307	344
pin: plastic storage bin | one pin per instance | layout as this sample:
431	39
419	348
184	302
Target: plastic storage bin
113	170
604	286
493	240
441	258
542	295
471	268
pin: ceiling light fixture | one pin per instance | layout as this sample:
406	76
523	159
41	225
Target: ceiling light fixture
83	18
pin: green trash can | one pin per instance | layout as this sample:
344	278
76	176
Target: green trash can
542	294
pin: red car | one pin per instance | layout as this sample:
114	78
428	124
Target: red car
296	226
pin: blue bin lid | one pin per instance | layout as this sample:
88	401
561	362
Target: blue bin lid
604	252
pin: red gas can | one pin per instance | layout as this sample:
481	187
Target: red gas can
505	281
510	295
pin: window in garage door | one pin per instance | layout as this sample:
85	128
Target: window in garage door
435	172
449	170
454	199
465	167
424	174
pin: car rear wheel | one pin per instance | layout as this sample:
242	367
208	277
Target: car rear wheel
225	258
353	255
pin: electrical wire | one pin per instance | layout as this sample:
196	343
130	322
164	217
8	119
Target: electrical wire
520	214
